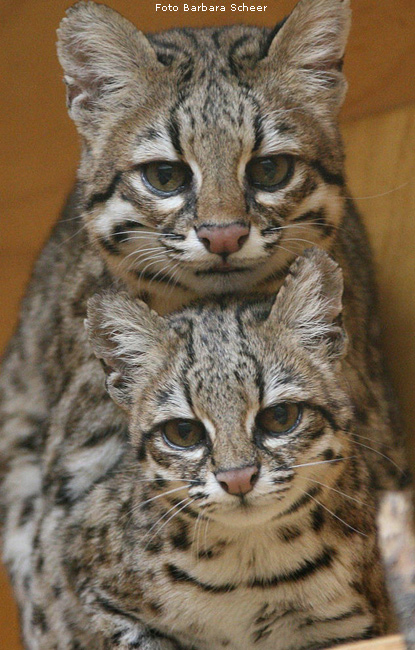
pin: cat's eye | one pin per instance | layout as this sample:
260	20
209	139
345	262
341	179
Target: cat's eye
166	178
271	173
184	433
281	418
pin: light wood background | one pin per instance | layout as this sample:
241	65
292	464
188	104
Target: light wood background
40	153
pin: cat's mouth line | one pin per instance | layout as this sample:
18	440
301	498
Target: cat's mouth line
248	503
227	268
221	267
223	270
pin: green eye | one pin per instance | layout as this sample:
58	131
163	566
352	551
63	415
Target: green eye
271	173
184	433
166	178
280	418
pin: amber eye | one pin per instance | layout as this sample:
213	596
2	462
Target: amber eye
184	433
166	178
271	173
280	418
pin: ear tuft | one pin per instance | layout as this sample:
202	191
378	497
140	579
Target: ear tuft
101	54
128	338
310	302
311	43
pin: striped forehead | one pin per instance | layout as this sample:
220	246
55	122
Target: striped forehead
276	134
156	145
171	402
264	134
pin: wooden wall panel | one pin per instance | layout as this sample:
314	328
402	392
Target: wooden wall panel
381	169
9	629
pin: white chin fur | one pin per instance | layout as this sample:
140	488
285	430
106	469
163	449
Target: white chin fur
239	517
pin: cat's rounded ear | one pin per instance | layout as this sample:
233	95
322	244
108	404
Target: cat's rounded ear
309	303
101	53
307	49
129	338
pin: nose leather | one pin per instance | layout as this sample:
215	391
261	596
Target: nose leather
238	481
223	239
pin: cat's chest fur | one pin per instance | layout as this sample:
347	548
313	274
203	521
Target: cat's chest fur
254	590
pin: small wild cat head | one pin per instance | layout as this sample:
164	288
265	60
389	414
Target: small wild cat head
239	400
211	157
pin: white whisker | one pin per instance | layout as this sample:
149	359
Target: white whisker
188	500
140	260
197	530
376	442
334	515
287	250
206	529
306	241
379	453
65	241
303	225
139	252
329	487
164	494
176	271
322	462
376	196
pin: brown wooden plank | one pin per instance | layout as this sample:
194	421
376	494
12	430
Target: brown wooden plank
381	165
387	643
9	627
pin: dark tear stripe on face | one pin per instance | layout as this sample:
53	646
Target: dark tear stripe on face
327	176
317	219
101	197
120	231
327	416
108	245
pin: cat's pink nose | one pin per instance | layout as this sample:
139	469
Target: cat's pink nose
238	481
223	239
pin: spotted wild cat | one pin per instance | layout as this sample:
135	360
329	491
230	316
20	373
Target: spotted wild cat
210	159
239	513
